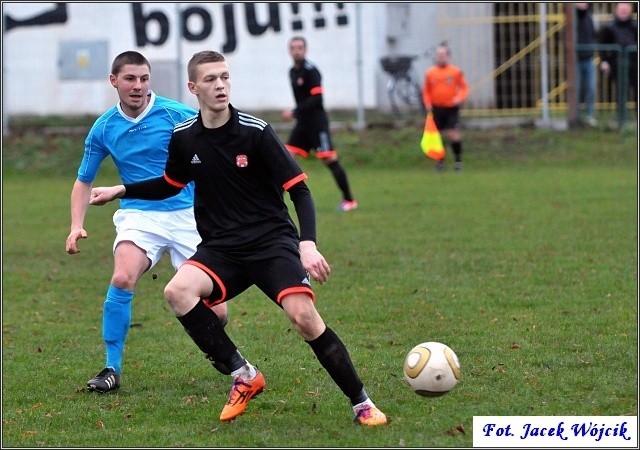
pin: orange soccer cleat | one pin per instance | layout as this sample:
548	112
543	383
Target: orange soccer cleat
241	392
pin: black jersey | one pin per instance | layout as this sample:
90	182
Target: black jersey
241	171
306	83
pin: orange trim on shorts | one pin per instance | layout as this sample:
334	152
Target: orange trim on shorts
173	183
296	290
326	154
297	150
293	181
215	278
316	90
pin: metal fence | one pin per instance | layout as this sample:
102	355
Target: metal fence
615	95
529	76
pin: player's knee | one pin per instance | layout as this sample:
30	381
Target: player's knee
220	310
306	321
222	313
123	280
175	295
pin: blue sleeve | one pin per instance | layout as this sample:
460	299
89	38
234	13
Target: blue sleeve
94	153
179	112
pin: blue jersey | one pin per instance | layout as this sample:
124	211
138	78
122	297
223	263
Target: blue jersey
138	147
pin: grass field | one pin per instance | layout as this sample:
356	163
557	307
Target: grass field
525	264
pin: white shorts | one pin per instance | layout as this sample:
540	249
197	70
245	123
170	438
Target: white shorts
157	232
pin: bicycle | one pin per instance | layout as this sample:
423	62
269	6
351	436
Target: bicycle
405	93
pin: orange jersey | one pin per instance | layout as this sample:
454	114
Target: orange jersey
444	86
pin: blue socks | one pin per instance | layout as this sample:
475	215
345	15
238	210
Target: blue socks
116	319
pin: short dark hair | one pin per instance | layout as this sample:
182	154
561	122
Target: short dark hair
298	38
445	45
203	57
128	57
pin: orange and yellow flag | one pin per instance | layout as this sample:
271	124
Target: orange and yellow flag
431	142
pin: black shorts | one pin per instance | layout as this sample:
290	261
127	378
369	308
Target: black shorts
275	269
446	118
305	139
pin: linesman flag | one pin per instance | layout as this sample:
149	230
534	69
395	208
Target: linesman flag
431	142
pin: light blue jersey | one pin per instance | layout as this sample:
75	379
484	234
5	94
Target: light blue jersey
138	148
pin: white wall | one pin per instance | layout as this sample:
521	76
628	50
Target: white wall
259	62
253	37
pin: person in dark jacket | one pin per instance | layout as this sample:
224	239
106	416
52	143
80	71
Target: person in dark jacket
623	30
585	36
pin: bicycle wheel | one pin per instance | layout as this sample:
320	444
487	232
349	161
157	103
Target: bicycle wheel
405	97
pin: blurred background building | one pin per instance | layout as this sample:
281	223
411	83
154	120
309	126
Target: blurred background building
56	56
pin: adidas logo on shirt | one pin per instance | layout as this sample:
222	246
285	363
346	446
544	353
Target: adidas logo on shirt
195	160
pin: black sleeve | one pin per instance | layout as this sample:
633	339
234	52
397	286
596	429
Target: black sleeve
310	103
313	101
305	209
151	189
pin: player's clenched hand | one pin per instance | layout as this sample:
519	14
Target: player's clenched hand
72	240
314	262
102	195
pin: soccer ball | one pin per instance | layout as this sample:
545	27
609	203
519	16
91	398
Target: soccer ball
431	369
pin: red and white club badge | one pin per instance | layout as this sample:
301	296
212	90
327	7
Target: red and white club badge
242	161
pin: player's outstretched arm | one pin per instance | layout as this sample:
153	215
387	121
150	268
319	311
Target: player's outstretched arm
103	195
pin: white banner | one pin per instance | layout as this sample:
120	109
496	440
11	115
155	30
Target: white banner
555	431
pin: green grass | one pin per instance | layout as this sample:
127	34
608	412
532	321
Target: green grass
525	264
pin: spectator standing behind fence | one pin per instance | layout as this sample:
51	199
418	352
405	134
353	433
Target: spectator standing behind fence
443	92
623	30
586	35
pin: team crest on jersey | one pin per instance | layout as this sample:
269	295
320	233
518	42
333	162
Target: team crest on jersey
242	161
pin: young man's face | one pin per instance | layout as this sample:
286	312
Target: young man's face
442	56
297	50
132	84
212	86
623	11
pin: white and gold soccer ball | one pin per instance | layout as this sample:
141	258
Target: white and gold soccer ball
432	369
